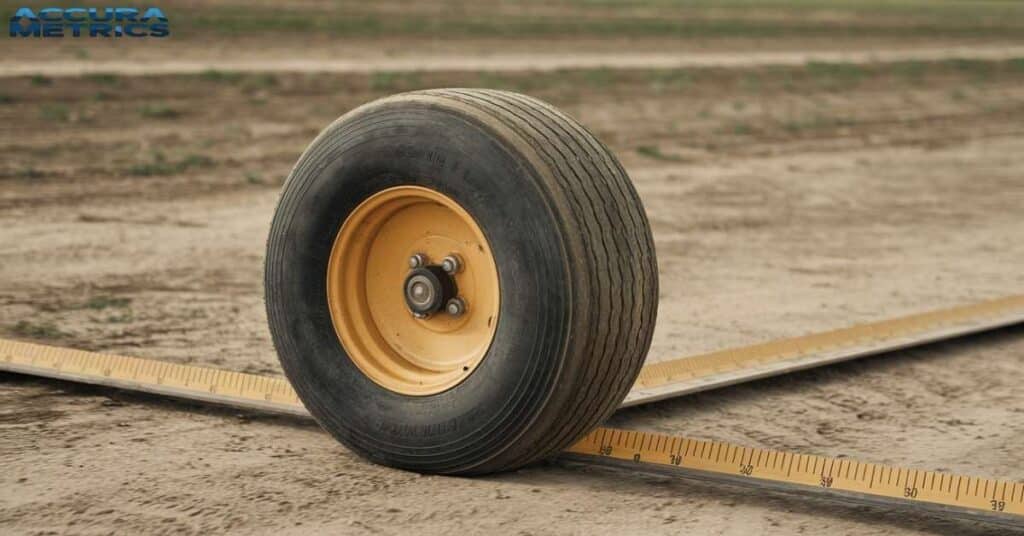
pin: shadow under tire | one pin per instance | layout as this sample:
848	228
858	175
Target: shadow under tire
560	280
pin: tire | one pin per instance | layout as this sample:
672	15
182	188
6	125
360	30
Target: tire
575	262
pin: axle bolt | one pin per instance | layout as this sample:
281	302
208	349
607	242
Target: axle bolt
451	264
455	307
417	260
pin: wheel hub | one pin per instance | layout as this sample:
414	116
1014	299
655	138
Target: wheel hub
412	288
428	289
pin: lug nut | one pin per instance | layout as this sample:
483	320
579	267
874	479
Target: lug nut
455	307
417	260
451	264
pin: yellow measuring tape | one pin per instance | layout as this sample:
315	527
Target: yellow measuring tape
993	500
692	374
1002	501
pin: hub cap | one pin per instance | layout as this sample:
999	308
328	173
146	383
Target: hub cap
427	290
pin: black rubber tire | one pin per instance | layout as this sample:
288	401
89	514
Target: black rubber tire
577	272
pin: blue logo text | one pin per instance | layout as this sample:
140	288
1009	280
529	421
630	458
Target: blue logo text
89	22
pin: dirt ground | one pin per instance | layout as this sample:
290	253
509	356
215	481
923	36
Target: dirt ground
784	200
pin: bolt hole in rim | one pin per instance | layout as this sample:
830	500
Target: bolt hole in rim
366	275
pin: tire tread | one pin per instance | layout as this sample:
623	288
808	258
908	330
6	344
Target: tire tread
620	268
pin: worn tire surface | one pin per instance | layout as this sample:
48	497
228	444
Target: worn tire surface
577	273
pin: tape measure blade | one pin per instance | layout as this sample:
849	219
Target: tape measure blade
987	316
692	458
184	382
838	478
782	488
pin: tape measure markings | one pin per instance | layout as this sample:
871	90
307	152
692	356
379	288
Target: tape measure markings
656	381
689	375
993	500
236	389
656	374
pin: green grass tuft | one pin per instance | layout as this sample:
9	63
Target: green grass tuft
55	112
254	177
160	166
159	111
213	75
45	330
99	303
651	151
107	79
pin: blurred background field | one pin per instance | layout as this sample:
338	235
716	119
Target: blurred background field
320	28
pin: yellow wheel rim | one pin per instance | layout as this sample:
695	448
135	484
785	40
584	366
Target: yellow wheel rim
366	273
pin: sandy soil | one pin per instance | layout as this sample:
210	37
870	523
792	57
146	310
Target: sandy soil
134	212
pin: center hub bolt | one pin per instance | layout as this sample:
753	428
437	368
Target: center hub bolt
430	288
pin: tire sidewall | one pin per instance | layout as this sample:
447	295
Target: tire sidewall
413	143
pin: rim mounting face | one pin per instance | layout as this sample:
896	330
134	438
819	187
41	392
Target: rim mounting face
366	290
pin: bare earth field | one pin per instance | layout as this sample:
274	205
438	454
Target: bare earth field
784	200
355	35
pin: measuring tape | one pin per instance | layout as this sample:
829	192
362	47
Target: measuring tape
687	375
993	500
